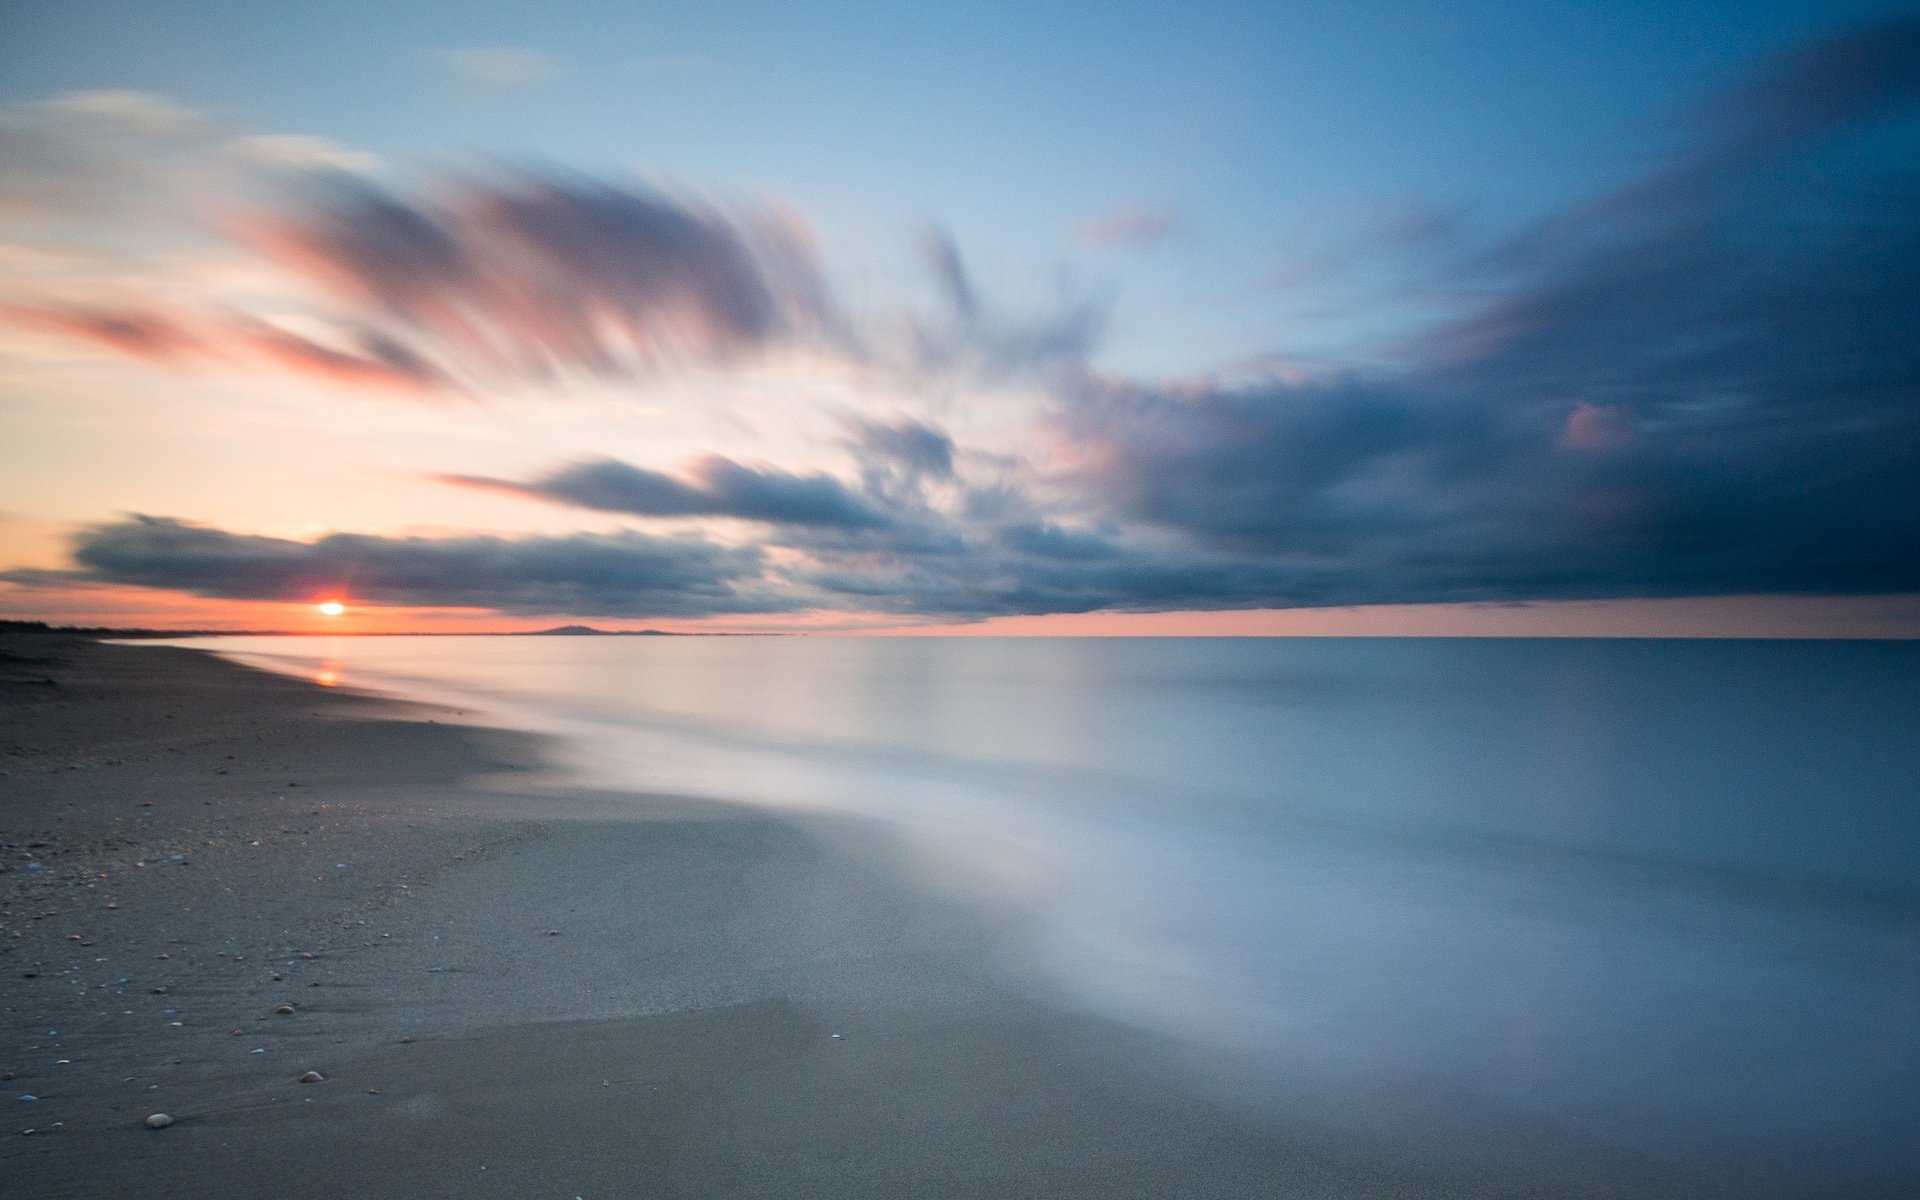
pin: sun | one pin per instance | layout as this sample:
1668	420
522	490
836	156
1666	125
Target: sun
331	608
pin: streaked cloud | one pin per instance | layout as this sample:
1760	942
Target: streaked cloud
1702	384
502	68
714	486
1137	225
532	274
625	574
971	336
904	445
87	155
360	357
299	152
142	112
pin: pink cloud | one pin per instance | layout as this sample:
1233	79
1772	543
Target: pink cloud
149	335
1594	427
1137	225
174	339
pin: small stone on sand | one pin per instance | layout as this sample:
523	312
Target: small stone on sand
159	1121
285	1010
313	1077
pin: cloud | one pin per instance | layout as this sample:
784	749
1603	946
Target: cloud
715	486
532	274
1848	80
970	337
522	276
92	155
364	357
906	446
373	359
1135	226
514	275
150	335
1703	384
139	112
300	152
501	68
626	574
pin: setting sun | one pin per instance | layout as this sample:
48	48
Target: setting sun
332	608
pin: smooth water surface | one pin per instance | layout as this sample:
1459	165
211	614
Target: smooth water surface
1657	896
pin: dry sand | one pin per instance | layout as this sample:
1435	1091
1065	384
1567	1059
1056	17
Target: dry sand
511	989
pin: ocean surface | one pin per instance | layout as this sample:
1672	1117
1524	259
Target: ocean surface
1658	898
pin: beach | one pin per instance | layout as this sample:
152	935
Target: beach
512	987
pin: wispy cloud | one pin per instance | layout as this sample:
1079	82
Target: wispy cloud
500	68
1137	225
82	156
531	274
302	152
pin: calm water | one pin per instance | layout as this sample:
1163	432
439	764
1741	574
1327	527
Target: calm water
1657	896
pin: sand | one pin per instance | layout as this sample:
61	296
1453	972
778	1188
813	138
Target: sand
513	987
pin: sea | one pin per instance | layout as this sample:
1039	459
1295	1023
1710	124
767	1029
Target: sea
1660	898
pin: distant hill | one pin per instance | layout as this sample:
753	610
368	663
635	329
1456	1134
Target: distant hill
590	631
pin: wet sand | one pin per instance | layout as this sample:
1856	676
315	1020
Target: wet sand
514	988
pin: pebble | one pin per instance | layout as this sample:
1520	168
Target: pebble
285	1010
159	1121
313	1077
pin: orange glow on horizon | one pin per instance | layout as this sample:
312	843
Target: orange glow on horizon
128	607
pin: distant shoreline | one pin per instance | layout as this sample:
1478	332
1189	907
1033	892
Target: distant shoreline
105	631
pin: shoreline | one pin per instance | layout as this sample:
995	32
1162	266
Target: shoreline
515	987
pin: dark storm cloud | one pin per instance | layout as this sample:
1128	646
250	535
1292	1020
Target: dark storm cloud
715	486
625	574
1705	384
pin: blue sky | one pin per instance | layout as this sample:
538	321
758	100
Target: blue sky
911	314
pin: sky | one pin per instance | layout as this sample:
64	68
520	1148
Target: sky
1376	318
